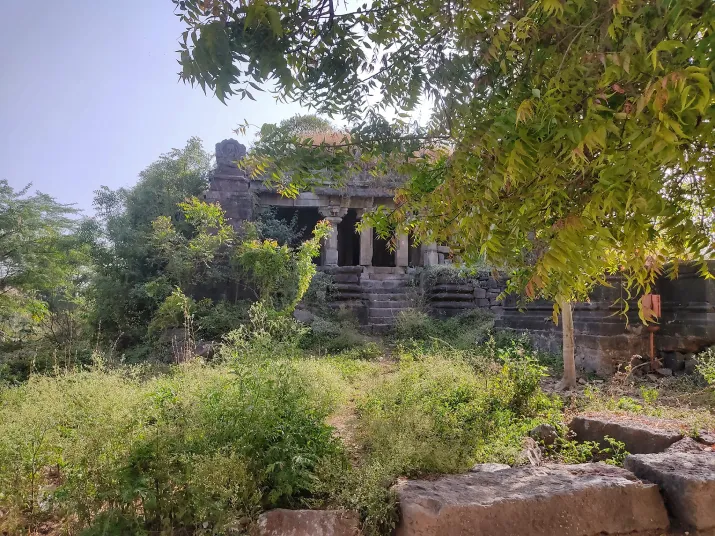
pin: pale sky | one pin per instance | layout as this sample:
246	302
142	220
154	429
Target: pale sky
89	95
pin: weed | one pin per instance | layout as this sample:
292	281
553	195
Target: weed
649	394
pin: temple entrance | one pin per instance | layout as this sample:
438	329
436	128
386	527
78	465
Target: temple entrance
348	240
290	225
415	252
382	255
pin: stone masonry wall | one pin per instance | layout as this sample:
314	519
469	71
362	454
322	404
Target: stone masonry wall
603	338
447	295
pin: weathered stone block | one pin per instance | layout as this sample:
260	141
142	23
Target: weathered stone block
687	481
308	523
687	444
489	467
482	302
640	437
569	500
480	293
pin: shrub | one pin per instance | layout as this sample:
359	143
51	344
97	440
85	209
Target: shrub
214	320
321	293
440	415
414	324
270	227
505	344
267	334
706	365
196	449
329	336
278	274
463	331
567	450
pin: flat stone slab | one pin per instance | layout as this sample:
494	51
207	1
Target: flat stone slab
565	500
687	480
282	522
489	467
642	436
687	444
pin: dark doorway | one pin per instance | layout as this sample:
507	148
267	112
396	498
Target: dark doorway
289	224
382	255
415	252
348	240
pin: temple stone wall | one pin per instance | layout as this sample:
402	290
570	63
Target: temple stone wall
603	338
448	296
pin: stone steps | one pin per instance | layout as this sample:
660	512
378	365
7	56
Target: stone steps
454	296
383	284
396	301
384	277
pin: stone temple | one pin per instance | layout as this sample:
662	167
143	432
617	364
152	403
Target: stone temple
372	278
377	282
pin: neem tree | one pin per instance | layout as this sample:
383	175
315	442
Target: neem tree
569	139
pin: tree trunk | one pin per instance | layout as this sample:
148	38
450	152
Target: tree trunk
569	379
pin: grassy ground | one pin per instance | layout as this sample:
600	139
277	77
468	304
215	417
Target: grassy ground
274	422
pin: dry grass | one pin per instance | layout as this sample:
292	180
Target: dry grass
680	403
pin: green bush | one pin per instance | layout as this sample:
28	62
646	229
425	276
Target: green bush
441	414
463	331
505	344
321	294
214	320
706	365
195	450
330	336
267	334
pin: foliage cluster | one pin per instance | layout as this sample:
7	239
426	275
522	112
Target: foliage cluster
279	274
198	449
706	365
462	331
154	270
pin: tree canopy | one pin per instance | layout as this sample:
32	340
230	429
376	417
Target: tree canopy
569	139
40	256
127	266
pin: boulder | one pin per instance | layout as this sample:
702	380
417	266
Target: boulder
691	365
568	500
281	522
644	436
545	434
205	349
687	480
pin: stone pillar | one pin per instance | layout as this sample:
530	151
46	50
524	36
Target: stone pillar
229	185
366	246
431	257
334	215
402	250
